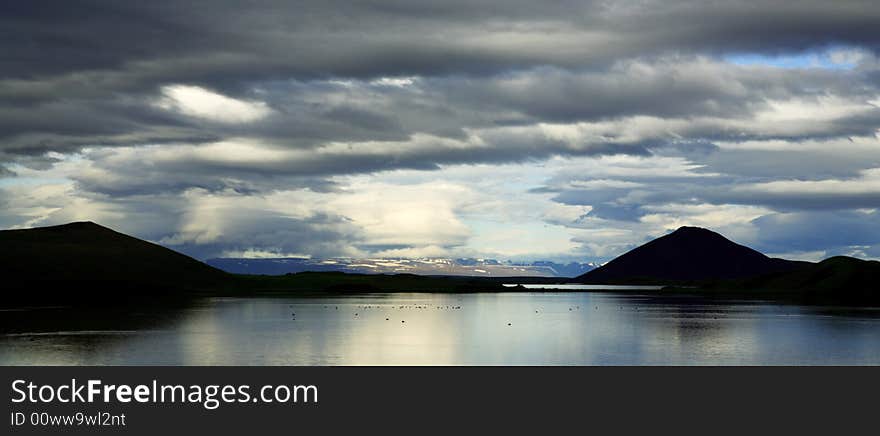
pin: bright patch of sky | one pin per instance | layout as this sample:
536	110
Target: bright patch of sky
839	58
25	176
524	241
29	181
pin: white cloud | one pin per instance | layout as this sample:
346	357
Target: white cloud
399	82
848	57
421	215
198	102
599	184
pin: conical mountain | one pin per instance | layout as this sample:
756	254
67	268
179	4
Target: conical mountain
689	254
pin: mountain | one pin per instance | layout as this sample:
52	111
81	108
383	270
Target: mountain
687	255
423	266
84	262
95	260
839	277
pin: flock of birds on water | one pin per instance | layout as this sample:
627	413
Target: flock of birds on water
417	306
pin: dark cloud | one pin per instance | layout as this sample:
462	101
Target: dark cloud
329	38
828	162
793	201
319	235
788	195
680	86
80	72
835	232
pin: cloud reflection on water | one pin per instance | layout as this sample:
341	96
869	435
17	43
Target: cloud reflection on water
448	329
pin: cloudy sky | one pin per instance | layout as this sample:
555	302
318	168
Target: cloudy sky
559	130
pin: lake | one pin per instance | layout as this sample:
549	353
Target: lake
517	328
581	287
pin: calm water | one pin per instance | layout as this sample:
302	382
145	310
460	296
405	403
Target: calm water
572	328
577	287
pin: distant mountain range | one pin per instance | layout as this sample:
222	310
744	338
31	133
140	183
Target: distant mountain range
689	254
424	266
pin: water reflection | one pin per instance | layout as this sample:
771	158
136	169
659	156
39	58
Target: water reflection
445	329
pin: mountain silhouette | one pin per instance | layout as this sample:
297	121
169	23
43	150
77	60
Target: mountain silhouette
838	277
95	260
689	254
86	262
83	262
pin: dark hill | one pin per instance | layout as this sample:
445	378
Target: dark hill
687	255
95	260
839	277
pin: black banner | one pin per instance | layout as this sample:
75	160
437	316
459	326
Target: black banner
395	400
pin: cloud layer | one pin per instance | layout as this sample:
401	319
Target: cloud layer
563	130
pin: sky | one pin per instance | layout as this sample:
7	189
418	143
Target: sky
521	130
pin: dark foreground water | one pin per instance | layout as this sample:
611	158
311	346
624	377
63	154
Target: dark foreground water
572	328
